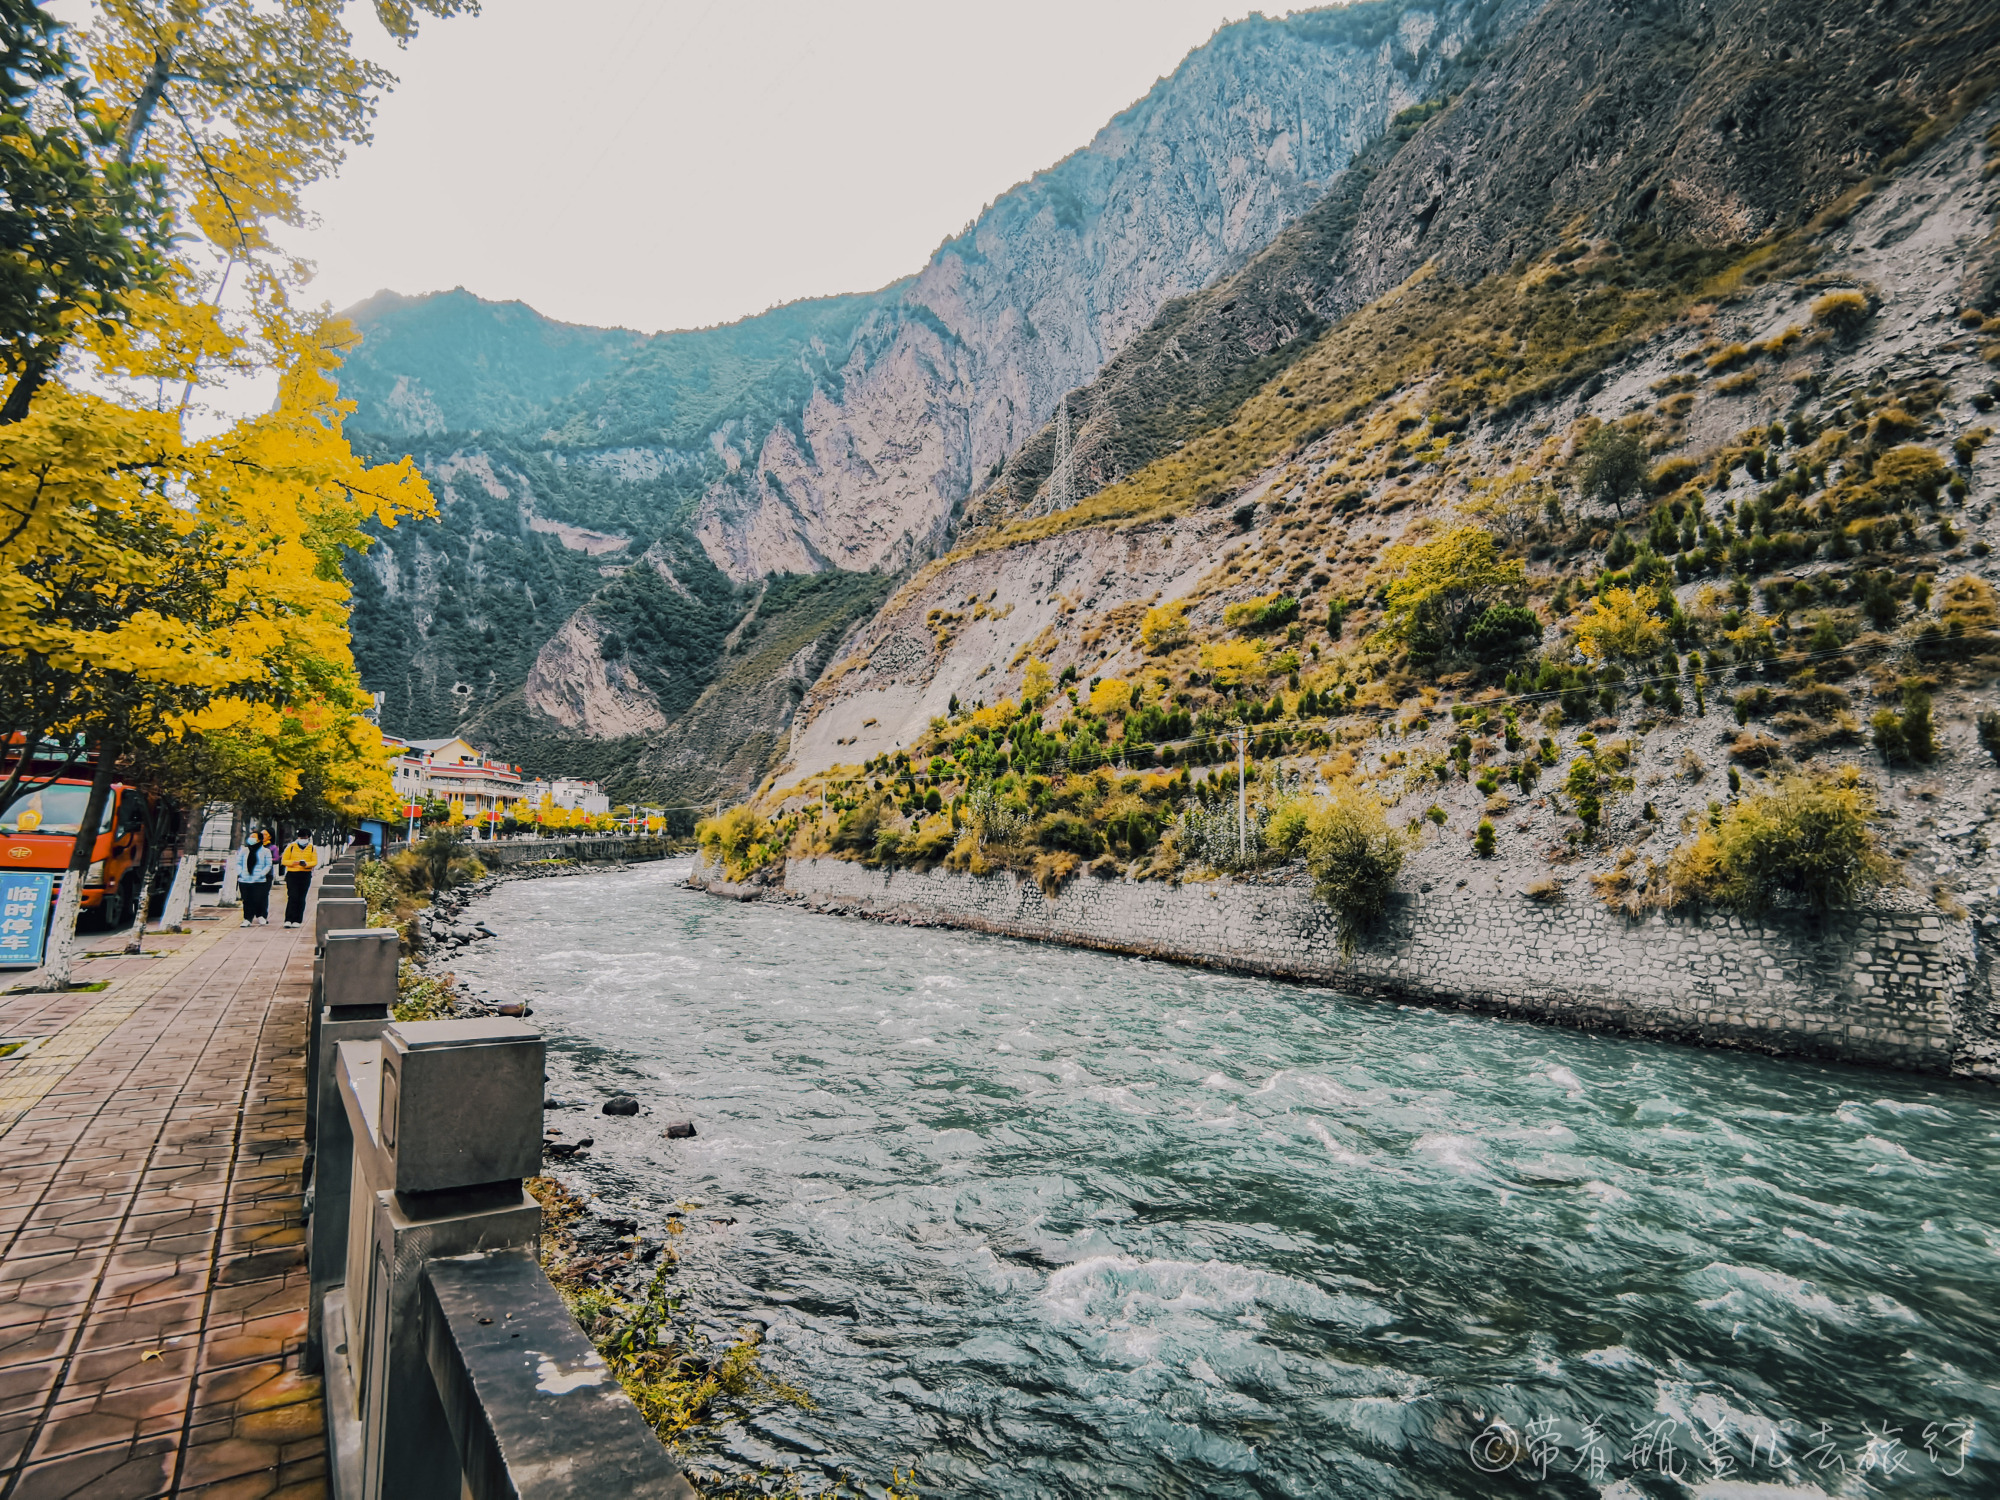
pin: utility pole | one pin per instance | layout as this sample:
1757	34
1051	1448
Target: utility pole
1242	794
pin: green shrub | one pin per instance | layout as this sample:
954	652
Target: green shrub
739	841
1989	733
1909	736
1919	735
855	834
1595	777
1504	630
1807	840
1878	602
1354	856
441	860
1287	827
1482	841
1070	833
1133	829
1267	613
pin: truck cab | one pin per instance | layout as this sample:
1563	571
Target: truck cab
38	830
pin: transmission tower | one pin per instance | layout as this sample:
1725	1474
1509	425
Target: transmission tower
1060	492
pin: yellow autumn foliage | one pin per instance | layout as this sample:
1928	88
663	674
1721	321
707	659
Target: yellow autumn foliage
1620	626
159	588
1164	628
1233	661
1111	697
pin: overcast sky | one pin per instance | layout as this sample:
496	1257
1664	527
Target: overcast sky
673	163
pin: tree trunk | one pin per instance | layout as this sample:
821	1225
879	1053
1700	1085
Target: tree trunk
150	94
26	385
138	943
153	827
62	932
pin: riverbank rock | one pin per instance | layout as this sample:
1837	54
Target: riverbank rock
621	1104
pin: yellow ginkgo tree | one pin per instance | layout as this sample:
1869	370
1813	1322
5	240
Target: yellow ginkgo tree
158	589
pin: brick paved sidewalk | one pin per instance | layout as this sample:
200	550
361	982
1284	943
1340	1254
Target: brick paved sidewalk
152	1262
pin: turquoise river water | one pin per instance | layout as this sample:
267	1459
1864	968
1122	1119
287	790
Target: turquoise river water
1050	1222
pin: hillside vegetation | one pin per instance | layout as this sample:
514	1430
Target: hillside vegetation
1647	567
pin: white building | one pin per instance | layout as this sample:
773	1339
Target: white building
579	796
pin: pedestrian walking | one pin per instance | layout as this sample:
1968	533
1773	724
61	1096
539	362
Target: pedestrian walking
253	881
300	858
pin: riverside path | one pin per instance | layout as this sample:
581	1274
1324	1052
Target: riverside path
152	1262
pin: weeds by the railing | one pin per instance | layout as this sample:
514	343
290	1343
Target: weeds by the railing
419	997
681	1383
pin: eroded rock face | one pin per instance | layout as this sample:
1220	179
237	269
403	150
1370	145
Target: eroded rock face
1718	123
1058	276
574	685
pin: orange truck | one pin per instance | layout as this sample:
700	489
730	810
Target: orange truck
38	832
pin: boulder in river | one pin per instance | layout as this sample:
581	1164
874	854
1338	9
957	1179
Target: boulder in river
621	1104
680	1130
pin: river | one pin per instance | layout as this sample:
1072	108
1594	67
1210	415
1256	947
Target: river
1051	1222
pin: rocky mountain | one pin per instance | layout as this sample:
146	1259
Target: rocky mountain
591	476
1690	132
1607	460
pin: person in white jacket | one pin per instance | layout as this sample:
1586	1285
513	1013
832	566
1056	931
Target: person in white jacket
253	880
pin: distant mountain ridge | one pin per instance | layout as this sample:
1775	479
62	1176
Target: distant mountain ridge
843	433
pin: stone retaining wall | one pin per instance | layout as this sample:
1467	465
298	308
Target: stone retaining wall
602	849
1890	984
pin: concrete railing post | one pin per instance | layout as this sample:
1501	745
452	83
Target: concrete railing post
337	913
357	984
446	1118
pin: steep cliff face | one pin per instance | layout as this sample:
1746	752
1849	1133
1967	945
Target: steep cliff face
572	684
1064	270
1713	121
1335	412
1703	121
841	434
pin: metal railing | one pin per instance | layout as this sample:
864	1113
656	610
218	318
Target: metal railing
452	1367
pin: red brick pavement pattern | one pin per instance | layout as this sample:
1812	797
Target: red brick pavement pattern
152	1255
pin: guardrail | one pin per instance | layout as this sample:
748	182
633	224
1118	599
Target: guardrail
453	1370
